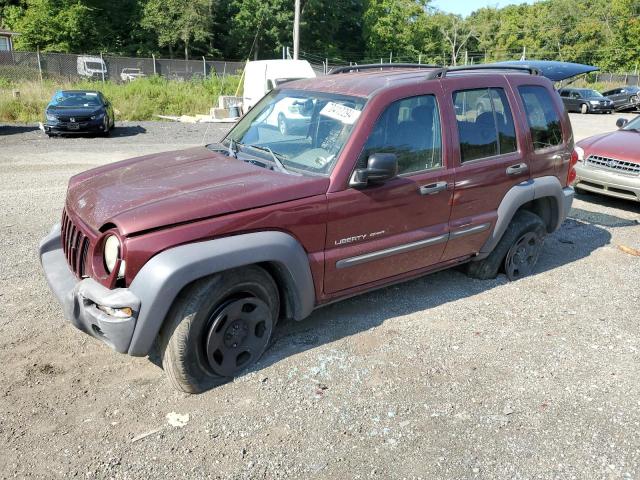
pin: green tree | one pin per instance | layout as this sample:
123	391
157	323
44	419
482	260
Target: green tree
185	23
398	26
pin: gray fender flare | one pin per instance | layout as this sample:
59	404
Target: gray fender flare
521	194
165	275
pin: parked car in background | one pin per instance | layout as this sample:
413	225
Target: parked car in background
609	163
91	67
130	74
624	98
78	111
198	254
585	100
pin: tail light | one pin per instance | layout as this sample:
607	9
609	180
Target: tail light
571	175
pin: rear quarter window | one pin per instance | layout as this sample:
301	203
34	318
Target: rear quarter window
542	116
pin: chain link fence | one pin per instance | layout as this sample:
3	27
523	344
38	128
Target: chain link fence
63	67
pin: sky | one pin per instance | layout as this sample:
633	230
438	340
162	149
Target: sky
465	7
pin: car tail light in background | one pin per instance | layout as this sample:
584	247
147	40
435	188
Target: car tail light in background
575	156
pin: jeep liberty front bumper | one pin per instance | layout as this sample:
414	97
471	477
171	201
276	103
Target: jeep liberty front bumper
80	298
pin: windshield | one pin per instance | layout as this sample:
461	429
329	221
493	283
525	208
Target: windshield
590	93
633	124
94	66
76	99
305	130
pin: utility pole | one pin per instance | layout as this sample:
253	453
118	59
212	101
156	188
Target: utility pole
296	30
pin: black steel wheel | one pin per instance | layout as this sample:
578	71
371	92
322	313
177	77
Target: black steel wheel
218	327
238	334
523	255
508	255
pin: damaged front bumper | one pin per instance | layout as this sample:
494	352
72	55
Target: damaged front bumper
81	299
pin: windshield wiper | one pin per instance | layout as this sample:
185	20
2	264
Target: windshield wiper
278	163
233	148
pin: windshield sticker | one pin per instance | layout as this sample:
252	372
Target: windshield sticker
342	113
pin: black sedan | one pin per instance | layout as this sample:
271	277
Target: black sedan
78	111
585	100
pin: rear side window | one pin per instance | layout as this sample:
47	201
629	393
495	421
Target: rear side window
543	119
485	123
410	128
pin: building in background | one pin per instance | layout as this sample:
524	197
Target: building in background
6	44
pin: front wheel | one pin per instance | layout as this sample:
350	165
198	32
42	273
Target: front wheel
584	108
218	327
517	251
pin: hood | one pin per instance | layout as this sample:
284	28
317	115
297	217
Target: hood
174	187
554	71
620	145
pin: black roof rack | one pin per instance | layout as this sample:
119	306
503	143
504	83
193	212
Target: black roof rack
379	66
494	67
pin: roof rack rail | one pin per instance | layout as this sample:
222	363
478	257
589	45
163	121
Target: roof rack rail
464	68
379	66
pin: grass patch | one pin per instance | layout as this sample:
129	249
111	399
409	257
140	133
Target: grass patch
136	101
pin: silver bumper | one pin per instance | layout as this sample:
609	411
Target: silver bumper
607	183
80	298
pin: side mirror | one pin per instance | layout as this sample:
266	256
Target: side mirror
621	122
380	167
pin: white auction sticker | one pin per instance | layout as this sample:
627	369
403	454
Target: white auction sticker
342	113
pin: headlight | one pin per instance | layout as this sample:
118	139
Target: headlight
594	102
580	152
111	254
51	117
98	116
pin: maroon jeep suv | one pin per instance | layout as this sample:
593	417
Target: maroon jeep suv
382	174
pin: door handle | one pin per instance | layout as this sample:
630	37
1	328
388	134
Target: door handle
433	188
517	169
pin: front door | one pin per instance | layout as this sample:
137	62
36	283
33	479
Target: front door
386	230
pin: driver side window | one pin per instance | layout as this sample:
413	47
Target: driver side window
410	128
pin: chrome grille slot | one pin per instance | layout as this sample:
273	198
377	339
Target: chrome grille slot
611	164
75	245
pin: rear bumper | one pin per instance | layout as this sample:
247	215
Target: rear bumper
80	298
607	183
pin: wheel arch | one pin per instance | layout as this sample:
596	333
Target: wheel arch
543	196
164	276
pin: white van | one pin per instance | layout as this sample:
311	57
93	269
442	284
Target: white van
91	67
262	76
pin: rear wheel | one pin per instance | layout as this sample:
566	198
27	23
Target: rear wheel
584	108
218	327
517	251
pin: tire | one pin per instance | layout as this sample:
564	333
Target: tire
633	99
217	327
525	226
282	124
107	128
584	108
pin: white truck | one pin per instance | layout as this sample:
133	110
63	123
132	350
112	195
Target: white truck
91	67
262	76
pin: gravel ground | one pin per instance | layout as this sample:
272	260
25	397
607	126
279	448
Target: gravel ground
441	377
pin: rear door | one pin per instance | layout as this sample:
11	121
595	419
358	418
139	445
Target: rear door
490	160
383	231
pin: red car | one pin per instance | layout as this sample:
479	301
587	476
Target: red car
395	175
609	163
